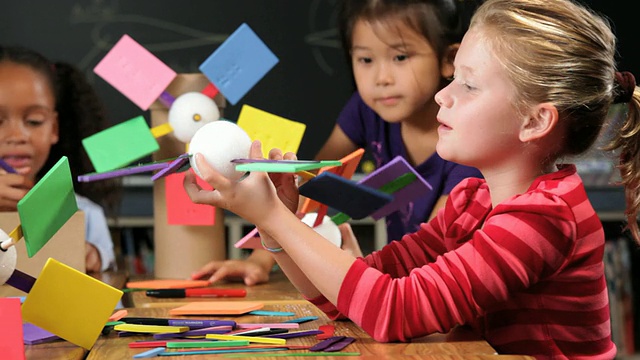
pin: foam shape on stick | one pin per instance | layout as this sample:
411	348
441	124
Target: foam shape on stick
70	304
238	63
35	335
8	260
47	206
220	142
357	201
272	130
189	112
328	229
217	308
285	166
135	72
387	173
11	345
120	144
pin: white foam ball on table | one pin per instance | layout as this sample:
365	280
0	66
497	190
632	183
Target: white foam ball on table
8	260
220	142
189	112
328	229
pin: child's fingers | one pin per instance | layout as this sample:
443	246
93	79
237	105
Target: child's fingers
256	150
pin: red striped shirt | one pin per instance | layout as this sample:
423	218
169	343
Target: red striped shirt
528	275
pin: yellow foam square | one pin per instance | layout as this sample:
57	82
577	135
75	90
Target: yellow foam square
273	131
70	304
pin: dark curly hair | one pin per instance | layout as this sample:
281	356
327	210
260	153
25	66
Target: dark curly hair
80	114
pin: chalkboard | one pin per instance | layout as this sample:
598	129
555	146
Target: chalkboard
310	84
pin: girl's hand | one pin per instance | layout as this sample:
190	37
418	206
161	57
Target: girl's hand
285	183
13	187
251	198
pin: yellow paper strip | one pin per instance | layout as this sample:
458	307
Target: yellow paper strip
255	339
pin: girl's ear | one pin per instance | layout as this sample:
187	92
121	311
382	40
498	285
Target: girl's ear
446	63
539	123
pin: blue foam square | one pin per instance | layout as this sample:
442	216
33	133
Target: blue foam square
356	200
238	63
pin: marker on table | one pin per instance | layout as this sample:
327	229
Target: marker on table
196	292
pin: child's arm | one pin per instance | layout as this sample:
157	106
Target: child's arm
337	146
253	270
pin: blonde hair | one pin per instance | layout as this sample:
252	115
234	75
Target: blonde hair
561	52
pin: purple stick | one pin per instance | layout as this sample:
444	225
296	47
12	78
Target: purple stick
121	172
166	99
21	281
173	167
251	161
7	167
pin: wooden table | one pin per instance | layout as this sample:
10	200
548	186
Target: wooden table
277	295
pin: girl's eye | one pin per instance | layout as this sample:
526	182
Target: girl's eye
364	60
402	57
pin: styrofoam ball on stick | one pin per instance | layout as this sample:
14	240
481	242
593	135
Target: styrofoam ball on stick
189	112
8	259
328	229
220	142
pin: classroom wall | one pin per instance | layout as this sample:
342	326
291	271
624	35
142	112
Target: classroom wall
309	84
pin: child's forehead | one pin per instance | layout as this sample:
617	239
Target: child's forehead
22	84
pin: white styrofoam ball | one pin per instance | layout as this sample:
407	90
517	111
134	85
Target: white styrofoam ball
328	229
189	112
8	260
220	142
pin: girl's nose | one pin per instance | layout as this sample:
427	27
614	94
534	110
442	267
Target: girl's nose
13	130
384	75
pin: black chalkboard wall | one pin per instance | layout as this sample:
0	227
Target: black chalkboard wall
309	84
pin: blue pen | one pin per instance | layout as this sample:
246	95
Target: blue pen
6	167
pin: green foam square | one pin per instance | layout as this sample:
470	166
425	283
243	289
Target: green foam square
120	144
47	206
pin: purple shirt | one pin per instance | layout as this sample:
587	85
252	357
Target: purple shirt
383	141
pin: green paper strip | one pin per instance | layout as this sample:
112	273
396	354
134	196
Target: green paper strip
205	344
272	313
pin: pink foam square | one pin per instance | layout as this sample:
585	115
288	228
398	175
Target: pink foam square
135	72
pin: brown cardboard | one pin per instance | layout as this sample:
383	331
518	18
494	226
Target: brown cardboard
182	249
66	246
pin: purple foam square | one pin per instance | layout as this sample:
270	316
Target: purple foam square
35	335
389	172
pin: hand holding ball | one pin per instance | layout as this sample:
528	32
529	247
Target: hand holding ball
220	142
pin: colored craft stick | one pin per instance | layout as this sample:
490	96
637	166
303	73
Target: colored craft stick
282	325
270	161
14	236
166	99
118	315
284	167
327	331
195	333
293	354
301	320
149	353
161	130
205	344
172	167
210	90
272	313
253	339
21	281
151	329
122	172
208	352
295	334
